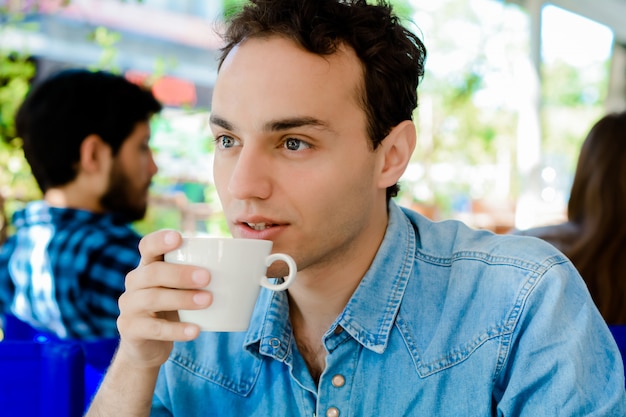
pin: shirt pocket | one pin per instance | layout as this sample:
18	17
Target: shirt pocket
450	347
236	372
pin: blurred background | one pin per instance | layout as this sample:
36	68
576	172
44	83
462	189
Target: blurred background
510	91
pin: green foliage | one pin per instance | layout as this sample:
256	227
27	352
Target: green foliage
572	102
16	70
565	85
107	39
15	73
158	218
403	8
231	7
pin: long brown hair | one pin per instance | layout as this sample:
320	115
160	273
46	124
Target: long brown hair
598	205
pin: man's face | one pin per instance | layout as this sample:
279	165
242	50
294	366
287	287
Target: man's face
292	162
130	176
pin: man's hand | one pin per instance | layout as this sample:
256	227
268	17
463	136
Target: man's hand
148	325
155	290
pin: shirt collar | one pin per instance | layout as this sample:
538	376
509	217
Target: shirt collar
270	330
370	313
39	212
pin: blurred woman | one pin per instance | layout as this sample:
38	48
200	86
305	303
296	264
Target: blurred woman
594	237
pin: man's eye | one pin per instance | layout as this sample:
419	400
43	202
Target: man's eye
225	142
296	144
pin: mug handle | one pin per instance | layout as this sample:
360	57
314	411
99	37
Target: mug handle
289	279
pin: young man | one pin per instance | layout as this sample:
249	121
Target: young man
86	139
390	314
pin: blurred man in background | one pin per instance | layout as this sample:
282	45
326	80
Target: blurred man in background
85	138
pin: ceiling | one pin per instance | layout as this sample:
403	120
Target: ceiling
611	13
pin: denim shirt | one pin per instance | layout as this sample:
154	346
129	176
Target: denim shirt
448	321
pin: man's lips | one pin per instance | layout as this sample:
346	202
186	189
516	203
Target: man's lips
259	225
257	222
259	229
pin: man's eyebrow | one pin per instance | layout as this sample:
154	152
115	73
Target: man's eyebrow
292	122
275	125
223	123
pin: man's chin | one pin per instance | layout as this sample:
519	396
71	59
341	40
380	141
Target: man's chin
278	269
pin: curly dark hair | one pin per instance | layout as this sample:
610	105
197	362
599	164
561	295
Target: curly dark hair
392	57
65	108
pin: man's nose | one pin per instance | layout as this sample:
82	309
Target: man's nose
251	175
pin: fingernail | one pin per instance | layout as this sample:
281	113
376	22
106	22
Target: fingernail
201	298
190	331
170	238
200	276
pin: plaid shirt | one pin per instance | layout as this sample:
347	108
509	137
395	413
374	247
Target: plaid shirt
63	270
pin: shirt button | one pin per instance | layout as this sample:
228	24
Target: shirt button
338	381
338	330
274	342
332	412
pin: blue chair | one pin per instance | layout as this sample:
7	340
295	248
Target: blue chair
41	378
98	356
619	334
93	358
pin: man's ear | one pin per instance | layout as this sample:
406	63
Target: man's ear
396	151
95	155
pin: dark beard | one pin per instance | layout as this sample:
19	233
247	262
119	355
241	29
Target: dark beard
119	198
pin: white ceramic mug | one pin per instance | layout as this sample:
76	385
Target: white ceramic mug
238	271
